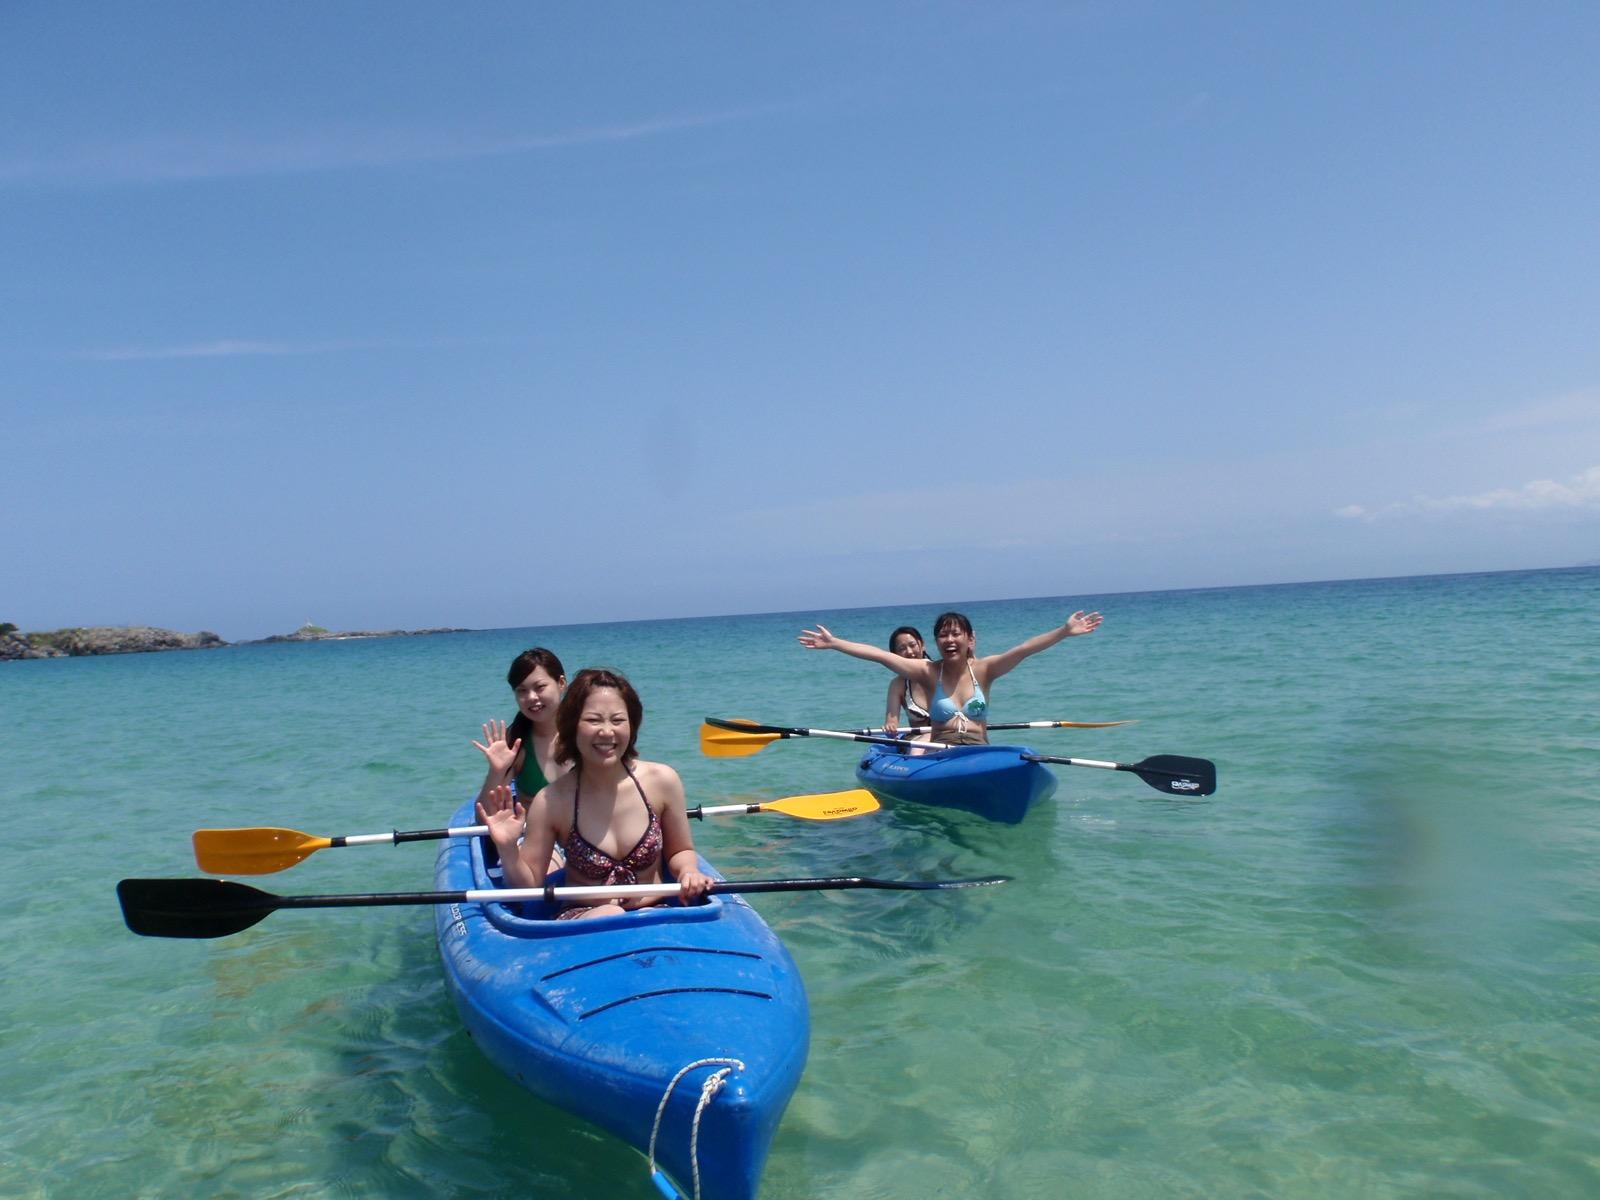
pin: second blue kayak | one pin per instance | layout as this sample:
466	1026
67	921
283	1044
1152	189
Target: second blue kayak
993	781
625	1020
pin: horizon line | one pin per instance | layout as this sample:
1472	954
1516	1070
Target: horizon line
444	630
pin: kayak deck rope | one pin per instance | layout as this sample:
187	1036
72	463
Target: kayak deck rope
708	1089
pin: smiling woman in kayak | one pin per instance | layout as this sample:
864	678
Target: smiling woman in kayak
618	817
958	680
907	642
522	754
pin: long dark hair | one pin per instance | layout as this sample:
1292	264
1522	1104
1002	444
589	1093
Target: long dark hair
591	679
521	667
959	620
921	641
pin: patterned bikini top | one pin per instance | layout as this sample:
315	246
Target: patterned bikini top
914	710
588	859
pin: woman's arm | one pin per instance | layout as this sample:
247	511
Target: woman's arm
897	698
503	757
524	865
1079	623
677	848
820	639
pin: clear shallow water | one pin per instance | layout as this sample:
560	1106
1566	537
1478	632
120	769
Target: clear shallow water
1369	966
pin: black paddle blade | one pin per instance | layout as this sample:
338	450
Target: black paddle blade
1177	775
941	884
191	908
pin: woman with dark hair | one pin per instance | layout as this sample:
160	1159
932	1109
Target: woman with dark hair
907	642
958	679
521	755
619	818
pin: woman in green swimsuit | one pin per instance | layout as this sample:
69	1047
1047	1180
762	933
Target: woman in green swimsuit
521	755
958	680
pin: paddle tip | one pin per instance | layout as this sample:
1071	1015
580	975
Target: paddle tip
985	881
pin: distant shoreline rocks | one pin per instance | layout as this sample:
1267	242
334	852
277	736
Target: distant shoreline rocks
78	642
316	633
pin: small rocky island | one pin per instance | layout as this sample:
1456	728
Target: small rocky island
140	639
101	639
316	633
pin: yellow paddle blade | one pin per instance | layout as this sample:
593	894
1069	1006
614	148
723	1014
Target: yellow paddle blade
829	806
730	743
253	851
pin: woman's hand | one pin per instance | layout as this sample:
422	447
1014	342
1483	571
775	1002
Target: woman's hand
818	638
502	757
693	884
1082	622
504	815
891	723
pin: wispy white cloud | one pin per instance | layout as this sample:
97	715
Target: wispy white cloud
1443	418
175	160
1581	408
1194	109
218	349
1580	492
850	522
244	348
991	516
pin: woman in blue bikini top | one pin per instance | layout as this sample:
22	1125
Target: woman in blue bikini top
959	679
599	809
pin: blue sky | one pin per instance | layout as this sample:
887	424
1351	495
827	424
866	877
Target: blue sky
392	315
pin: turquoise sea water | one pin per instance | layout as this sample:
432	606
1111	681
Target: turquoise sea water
1369	966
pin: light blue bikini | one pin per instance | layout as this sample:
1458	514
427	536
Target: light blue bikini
945	709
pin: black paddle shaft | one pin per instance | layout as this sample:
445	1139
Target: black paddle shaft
789	731
213	908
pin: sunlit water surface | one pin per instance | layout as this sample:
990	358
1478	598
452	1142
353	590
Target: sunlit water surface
1370	965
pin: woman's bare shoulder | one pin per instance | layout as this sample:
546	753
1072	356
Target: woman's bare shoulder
649	768
558	793
658	774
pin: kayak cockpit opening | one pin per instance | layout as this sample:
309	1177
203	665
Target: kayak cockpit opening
537	918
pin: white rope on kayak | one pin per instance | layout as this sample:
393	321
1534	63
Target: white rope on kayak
708	1088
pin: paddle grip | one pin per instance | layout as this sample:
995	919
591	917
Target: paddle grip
699	811
420	835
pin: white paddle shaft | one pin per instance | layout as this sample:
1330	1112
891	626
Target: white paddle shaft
716	810
385	839
599	891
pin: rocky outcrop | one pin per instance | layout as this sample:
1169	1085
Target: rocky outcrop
316	633
139	639
102	639
16	645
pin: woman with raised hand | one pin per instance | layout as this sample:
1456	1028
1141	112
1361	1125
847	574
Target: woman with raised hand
619	818
521	755
959	680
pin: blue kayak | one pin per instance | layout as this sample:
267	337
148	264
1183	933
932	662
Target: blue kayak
600	1016
993	781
